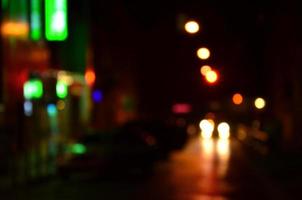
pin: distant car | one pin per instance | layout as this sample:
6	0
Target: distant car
168	137
106	152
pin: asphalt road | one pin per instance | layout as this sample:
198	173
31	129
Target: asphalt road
203	170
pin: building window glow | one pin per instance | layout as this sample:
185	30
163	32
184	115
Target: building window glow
35	20
56	20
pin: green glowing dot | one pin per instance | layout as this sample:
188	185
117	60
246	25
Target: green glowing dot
78	149
33	89
62	89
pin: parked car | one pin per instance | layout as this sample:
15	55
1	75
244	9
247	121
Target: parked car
102	153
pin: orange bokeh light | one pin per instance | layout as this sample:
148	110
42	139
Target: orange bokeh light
237	99
14	29
90	77
204	69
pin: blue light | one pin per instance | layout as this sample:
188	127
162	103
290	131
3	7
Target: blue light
28	108
51	110
97	96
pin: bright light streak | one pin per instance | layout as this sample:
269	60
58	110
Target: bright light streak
260	103
211	76
208	147
237	99
192	27
203	53
205	69
223	130
223	151
207	128
223	148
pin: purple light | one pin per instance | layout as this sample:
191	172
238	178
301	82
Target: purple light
97	96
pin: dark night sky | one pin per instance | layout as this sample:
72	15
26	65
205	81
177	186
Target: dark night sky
237	32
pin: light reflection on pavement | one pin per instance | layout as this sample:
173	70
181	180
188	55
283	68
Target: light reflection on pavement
209	169
203	164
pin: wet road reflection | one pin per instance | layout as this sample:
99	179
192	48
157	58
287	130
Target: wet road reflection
206	169
204	165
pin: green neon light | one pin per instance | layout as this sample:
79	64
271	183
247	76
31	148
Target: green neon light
33	89
62	89
35	20
78	149
56	20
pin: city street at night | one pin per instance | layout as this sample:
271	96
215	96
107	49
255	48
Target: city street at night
150	100
206	169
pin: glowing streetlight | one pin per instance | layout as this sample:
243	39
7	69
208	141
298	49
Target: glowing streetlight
205	69
237	99
259	103
211	77
192	27
203	53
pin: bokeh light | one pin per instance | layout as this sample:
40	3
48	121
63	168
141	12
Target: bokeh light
211	76
61	89
260	103
223	130
192	27
205	69
237	99
33	89
61	105
207	128
97	96
28	108
78	148
52	110
203	53
90	76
